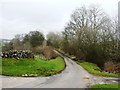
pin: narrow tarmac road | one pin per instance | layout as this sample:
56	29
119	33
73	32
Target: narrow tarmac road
74	76
71	77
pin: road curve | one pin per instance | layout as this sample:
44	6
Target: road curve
74	76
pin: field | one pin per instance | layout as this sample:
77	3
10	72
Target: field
29	67
94	69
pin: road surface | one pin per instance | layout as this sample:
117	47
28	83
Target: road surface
74	76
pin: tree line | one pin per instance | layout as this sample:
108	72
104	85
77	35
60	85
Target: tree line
28	45
25	41
90	35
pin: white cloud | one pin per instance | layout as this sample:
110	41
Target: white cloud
22	16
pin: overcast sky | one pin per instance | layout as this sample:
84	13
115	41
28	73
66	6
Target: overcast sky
22	16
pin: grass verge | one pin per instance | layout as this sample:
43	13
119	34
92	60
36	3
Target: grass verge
94	69
104	86
29	67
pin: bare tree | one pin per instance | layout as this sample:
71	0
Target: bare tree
92	32
54	39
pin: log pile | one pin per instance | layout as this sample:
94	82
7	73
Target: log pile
17	54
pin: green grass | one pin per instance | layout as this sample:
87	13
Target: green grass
72	56
94	69
66	54
0	65
106	86
29	67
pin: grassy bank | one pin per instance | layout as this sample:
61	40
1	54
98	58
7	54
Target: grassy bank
94	69
29	67
90	67
104	86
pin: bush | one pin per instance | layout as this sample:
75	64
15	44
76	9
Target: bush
49	53
111	67
37	50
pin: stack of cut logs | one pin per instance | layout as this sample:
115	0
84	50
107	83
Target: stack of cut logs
17	54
